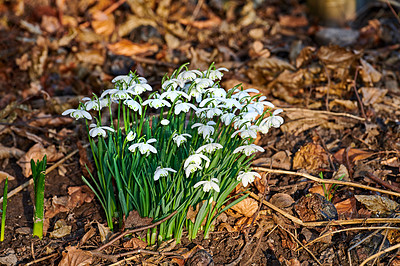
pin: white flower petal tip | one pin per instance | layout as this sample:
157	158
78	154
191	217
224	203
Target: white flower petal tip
165	122
162	172
249	149
247	177
77	114
99	130
208	185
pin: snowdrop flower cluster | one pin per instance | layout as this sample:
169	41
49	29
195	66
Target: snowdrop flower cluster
188	144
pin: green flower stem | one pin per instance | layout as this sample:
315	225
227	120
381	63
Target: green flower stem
4	210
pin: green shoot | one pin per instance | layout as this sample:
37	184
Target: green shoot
38	174
4	210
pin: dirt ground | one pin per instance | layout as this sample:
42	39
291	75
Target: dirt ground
338	88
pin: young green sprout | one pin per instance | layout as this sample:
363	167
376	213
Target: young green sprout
4	210
38	174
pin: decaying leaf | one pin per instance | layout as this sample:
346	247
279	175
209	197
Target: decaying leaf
293	21
4	176
43	119
134	220
310	157
128	48
368	73
103	24
247	207
37	152
346	208
61	229
282	200
372	95
88	235
273	63
353	154
76	257
350	105
377	204
79	195
9	152
105	232
134	243
55	206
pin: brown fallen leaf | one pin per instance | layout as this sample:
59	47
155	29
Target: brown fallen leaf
105	232
372	95
134	220
368	73
103	24
55	206
350	105
4	176
37	152
310	157
76	257
61	229
43	119
247	207
353	154
8	152
79	195
377	204
393	162
23	62
128	48
346	208
88	235
135	243
282	200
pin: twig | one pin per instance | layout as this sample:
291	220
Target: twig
324	112
357	95
127	232
327	181
330	233
382	182
328	88
114	258
393	11
41	259
51	168
301	244
380	253
325	223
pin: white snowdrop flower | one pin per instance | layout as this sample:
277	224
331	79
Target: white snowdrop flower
216	92
189	75
140	88
191	168
131	136
183	107
202	83
247	177
172	84
179	139
273	120
134	105
117	94
156	103
209	112
248	149
242	123
77	114
209	102
227	118
250	116
123	78
207	130
142	80
208	185
162	172
230	103
196	159
259	105
209	148
99	130
165	122
144	147
172	95
95	104
250	132
216	74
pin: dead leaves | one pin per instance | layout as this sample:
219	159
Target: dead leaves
4	176
311	157
37	152
134	220
76	257
128	48
378	204
247	207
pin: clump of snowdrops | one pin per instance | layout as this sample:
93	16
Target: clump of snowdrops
187	146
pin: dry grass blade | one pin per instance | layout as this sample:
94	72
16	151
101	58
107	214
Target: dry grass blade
380	253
